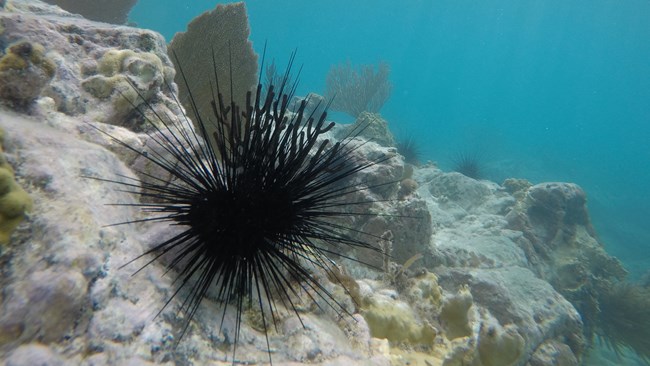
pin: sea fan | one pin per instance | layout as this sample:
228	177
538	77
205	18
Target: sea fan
259	204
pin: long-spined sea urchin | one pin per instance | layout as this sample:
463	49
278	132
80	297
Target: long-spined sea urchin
258	203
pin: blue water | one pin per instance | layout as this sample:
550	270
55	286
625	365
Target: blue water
543	90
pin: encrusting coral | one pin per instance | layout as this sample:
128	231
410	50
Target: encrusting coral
499	346
517	187
454	314
128	78
396	322
24	71
14	201
406	188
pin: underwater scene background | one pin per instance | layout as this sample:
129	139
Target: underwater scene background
152	213
541	90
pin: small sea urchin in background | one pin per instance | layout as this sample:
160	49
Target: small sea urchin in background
409	149
257	203
624	319
468	164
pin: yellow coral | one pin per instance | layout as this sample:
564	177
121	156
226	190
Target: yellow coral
127	78
499	346
426	289
111	62
12	208
395	321
454	314
11	61
103	86
39	59
6	181
21	54
24	72
146	66
14	201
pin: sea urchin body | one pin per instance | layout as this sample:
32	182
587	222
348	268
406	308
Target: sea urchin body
257	203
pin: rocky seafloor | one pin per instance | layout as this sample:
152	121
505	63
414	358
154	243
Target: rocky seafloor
479	273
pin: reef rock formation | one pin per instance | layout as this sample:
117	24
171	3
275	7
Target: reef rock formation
475	247
64	262
376	130
24	72
88	64
562	247
472	273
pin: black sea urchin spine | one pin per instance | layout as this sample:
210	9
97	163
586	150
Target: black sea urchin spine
256	204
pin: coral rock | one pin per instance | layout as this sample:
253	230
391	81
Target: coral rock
128	79
14	201
562	246
553	353
34	354
454	314
56	299
77	46
24	71
376	130
395	321
499	346
514	298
